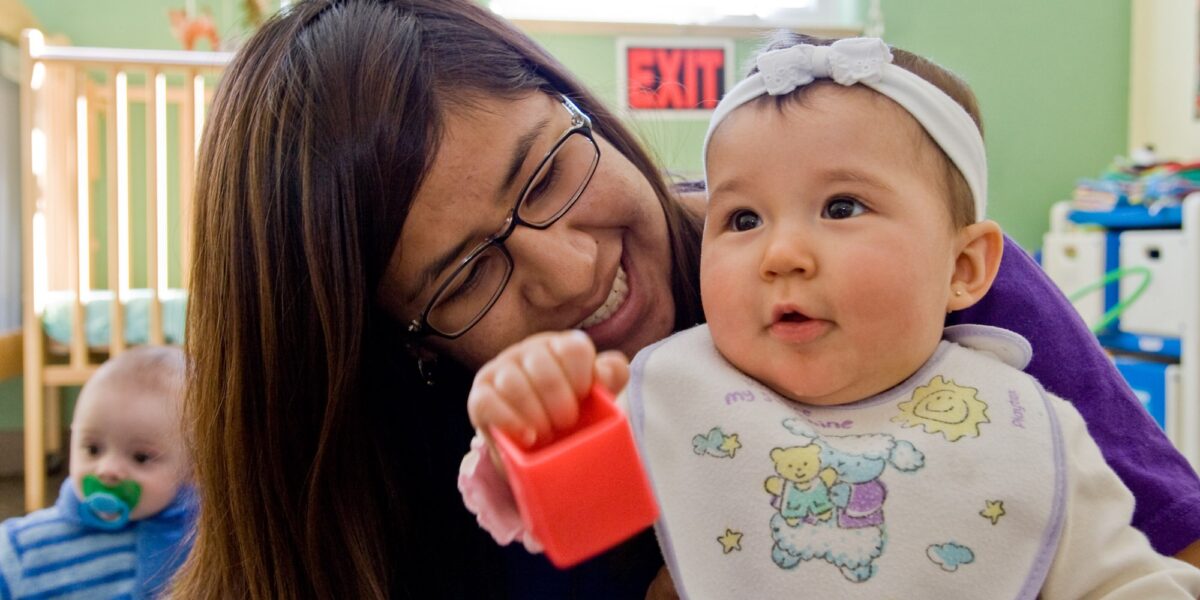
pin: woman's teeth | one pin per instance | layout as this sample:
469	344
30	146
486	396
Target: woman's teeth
616	297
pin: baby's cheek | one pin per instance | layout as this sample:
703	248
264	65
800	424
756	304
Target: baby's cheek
901	296
728	292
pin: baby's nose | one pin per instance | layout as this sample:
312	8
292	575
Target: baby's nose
787	253
110	471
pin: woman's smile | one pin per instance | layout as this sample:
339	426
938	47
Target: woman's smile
614	321
615	299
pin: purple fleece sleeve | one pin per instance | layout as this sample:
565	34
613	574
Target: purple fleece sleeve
1069	362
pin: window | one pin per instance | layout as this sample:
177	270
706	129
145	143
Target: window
10	192
687	12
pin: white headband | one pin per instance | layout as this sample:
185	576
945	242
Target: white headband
869	62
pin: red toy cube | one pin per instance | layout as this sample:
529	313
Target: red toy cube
585	491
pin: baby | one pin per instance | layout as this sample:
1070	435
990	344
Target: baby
119	526
824	435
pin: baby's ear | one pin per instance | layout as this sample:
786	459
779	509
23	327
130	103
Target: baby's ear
980	247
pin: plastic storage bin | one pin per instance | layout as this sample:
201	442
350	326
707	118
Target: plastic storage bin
1157	386
1159	311
1073	260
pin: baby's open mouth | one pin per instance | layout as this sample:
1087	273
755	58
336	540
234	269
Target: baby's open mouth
793	317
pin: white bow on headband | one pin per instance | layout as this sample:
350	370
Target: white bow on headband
846	62
868	61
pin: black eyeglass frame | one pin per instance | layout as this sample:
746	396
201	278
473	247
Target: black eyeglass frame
581	124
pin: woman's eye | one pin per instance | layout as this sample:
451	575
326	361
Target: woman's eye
549	175
843	208
465	284
744	220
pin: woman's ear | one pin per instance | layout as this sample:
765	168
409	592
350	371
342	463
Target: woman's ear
980	247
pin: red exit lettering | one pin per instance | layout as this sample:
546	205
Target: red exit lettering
675	78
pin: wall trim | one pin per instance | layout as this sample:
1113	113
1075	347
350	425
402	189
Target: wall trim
10	354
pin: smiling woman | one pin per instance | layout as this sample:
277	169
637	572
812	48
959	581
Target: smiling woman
384	185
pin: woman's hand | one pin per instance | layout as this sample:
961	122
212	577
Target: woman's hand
663	587
1191	554
532	389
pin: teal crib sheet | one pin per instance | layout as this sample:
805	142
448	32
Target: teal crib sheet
56	318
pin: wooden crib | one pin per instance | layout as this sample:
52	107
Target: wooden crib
105	251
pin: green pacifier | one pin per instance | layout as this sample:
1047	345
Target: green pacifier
108	506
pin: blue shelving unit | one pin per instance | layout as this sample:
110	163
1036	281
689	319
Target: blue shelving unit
1130	217
1149	356
1163	347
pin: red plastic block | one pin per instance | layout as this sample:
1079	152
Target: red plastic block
585	491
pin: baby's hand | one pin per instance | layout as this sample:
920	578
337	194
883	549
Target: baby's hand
532	389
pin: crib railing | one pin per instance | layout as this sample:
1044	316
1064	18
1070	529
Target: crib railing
73	228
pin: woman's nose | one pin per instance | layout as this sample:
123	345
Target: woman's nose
788	252
553	267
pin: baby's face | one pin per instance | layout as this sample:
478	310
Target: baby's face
129	434
828	247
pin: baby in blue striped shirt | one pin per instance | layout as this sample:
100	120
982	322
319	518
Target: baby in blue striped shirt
119	527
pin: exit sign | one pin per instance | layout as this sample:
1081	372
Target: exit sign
675	76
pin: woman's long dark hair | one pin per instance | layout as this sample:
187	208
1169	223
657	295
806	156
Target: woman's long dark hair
325	466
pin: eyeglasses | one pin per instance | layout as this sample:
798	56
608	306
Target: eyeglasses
560	178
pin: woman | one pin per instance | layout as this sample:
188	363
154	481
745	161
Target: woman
388	194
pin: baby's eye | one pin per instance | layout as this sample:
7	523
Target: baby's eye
142	458
744	220
843	207
92	449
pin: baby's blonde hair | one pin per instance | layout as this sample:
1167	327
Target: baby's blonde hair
158	369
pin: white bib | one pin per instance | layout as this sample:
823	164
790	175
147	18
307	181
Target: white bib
950	485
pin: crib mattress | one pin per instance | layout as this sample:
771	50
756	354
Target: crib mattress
56	318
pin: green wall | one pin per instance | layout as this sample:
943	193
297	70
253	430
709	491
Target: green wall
1053	84
10	404
130	23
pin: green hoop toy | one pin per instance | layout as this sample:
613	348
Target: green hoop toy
1113	313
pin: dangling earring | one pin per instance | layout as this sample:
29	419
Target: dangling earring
426	366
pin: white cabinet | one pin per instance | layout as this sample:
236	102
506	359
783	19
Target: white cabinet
1074	260
1156	260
